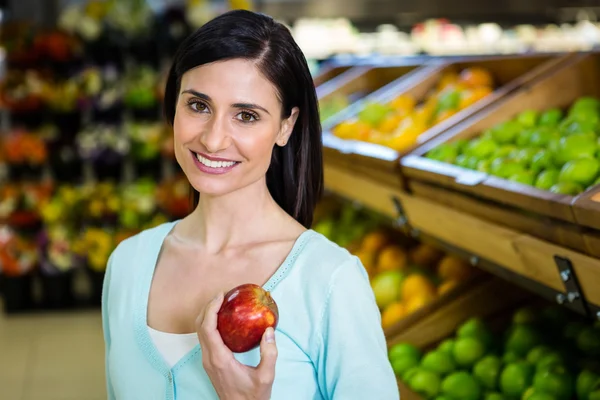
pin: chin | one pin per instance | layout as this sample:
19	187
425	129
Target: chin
212	187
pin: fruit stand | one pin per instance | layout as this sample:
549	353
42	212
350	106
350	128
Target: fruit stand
529	219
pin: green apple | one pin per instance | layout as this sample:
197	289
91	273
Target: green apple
582	171
547	179
507	132
551	117
516	378
528	118
567	188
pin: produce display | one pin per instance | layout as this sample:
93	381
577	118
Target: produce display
555	150
247	311
405	275
540	354
399	123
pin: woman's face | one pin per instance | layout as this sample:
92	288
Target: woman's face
227	120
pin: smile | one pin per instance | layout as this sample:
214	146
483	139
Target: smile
213	166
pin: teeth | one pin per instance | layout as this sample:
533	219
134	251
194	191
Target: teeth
214	164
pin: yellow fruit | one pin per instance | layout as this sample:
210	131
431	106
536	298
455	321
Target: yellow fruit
446	287
389	123
352	130
404	103
447	79
401	143
423	114
374	241
417	285
418	302
392	258
425	255
454	268
392	314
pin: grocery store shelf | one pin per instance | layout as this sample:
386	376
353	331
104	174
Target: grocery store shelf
511	254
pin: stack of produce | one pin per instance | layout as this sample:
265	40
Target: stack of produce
405	275
552	150
399	123
541	355
407	278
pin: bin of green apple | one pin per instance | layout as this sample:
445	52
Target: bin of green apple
555	150
542	354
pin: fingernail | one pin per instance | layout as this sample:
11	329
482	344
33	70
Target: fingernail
270	335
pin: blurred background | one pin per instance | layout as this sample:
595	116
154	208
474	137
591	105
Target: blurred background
86	161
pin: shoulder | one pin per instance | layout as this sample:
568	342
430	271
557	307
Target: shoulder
326	258
325	266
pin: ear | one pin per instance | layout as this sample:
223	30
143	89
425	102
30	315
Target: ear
287	126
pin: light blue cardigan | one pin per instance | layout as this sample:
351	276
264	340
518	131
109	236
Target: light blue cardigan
329	337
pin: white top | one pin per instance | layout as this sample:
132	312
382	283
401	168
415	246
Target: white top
173	346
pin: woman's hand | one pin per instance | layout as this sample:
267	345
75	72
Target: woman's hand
233	380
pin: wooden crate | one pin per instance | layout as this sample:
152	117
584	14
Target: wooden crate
525	208
586	210
381	163
329	72
516	254
355	84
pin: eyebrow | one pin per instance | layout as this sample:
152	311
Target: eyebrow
235	105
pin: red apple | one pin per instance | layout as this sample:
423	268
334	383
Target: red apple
247	311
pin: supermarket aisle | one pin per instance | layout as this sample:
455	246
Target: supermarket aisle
52	357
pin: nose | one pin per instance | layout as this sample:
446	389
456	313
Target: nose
215	135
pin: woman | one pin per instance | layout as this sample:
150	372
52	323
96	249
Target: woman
246	125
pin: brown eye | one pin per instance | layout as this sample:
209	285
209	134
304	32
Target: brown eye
245	116
197	106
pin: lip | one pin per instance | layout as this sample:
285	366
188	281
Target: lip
210	170
213	158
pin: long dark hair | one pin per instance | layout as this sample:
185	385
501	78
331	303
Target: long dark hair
295	175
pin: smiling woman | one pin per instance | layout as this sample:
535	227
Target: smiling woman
247	135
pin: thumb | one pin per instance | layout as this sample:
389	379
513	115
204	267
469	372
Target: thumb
268	356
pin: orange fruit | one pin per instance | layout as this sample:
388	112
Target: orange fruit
392	314
374	241
418	302
417	285
392	258
454	268
425	255
476	77
446	287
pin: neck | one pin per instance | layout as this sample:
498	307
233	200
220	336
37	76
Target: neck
236	218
